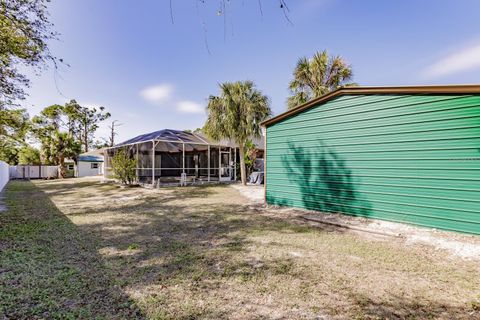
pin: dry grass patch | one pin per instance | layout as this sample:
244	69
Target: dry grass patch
203	252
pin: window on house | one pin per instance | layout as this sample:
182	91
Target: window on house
94	165
70	166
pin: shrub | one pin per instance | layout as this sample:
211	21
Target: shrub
124	167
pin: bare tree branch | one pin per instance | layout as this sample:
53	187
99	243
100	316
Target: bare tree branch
171	11
286	10
205	37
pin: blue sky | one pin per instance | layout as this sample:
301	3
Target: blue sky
152	74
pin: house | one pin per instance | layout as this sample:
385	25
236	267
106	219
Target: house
70	168
405	154
88	164
172	156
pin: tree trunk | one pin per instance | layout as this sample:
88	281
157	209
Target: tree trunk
63	172
85	133
243	168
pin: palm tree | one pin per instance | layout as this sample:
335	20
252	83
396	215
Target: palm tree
315	77
236	114
58	147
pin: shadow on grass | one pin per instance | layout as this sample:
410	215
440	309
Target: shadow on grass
180	241
398	307
62	186
114	190
168	242
49	267
198	249
174	255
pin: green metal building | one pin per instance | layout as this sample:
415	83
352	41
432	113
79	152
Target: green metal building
406	154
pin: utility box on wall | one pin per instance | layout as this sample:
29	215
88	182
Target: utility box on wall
406	154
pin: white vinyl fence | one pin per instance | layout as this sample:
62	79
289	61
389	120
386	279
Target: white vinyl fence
33	172
4	175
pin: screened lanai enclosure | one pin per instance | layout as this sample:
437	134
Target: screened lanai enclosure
169	157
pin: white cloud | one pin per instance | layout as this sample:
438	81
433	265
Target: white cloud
463	60
189	107
157	94
162	95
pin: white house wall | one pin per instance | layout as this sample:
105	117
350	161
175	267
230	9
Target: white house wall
4	174
84	169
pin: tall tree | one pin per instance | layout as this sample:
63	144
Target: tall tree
83	122
315	77
50	118
9	150
44	127
29	155
24	33
14	126
56	145
64	131
236	114
113	133
60	146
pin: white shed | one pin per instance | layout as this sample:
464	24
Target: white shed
89	165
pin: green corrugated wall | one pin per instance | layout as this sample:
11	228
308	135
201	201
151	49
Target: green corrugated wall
407	158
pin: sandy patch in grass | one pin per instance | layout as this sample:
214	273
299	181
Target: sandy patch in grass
456	244
460	245
254	193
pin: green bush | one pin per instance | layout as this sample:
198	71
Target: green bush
124	167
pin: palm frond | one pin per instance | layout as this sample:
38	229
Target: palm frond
237	112
318	76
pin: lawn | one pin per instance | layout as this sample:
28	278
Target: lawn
82	249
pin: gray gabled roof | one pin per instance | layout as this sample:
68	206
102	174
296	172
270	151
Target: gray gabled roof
166	135
178	136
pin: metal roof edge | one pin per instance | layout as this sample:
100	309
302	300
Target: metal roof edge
430	89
